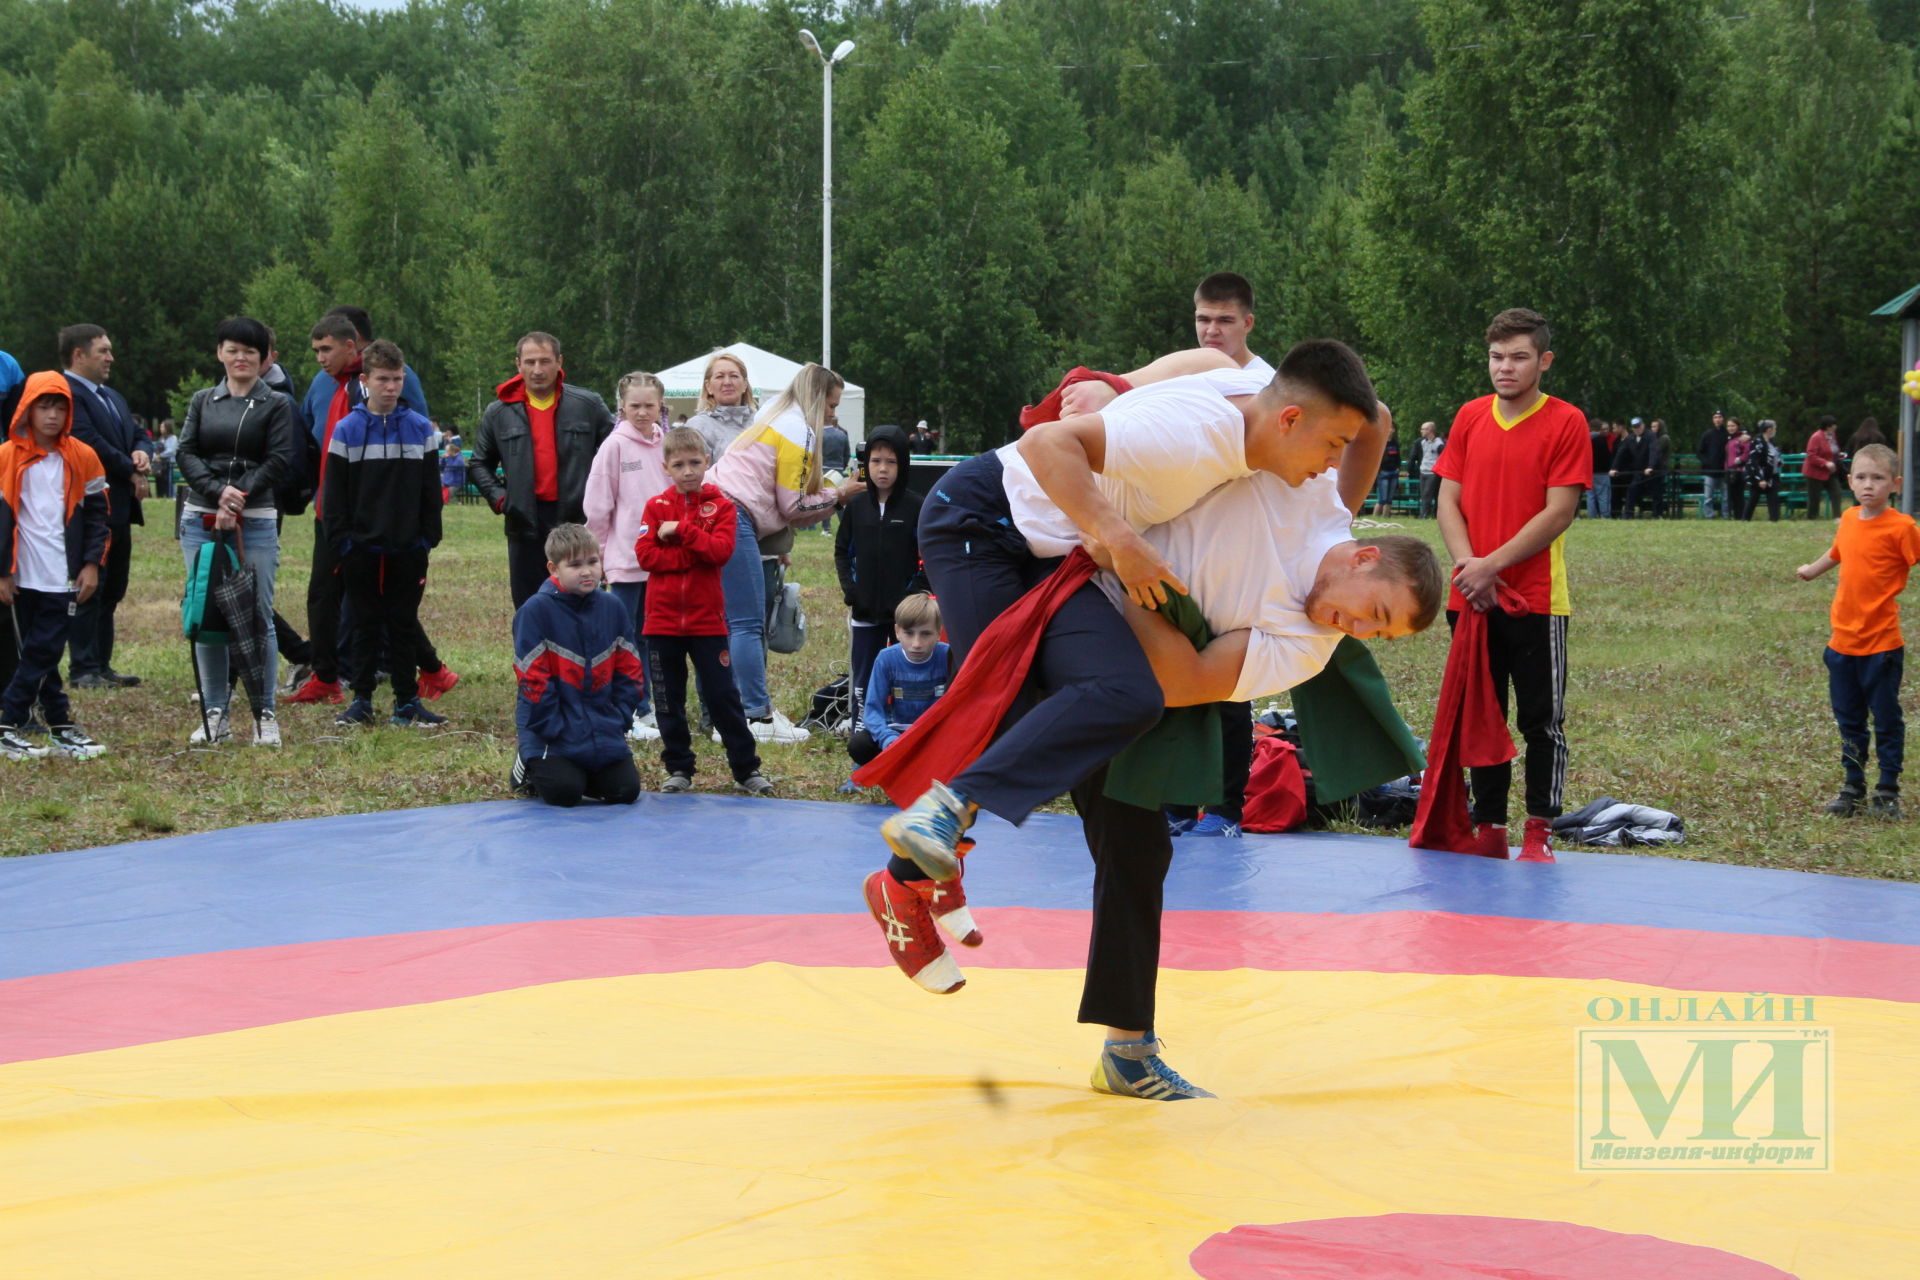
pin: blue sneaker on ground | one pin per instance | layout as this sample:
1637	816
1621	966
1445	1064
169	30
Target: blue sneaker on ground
414	715
1215	825
359	711
1133	1069
1177	827
928	831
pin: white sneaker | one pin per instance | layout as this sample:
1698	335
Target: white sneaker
214	729
777	728
266	730
644	729
72	741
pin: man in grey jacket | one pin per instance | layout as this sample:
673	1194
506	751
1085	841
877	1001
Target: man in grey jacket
540	435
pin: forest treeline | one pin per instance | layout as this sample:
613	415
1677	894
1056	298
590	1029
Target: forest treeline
1706	197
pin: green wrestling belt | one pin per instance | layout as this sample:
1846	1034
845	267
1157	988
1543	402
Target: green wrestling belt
1350	733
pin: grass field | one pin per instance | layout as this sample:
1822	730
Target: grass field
1696	686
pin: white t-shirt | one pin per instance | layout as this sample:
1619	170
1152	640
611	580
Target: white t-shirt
40	556
1168	444
1249	552
1256	365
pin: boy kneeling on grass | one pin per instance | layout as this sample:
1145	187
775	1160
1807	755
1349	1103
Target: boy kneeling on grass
53	539
578	668
686	534
1875	548
907	678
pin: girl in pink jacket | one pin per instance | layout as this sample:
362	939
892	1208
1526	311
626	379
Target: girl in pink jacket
627	471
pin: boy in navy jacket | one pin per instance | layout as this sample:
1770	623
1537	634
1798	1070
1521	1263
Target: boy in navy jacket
686	534
579	674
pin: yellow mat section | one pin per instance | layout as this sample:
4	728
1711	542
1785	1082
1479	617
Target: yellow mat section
790	1122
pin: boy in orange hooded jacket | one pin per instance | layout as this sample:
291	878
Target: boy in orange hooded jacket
53	539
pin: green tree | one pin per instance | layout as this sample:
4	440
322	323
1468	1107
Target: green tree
1584	178
942	252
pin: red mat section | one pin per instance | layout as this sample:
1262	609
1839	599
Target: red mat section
86	1010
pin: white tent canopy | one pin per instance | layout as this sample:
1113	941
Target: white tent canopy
770	375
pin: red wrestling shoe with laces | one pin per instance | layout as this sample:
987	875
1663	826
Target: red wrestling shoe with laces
1490	841
903	916
435	683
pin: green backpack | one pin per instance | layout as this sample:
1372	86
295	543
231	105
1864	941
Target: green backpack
201	619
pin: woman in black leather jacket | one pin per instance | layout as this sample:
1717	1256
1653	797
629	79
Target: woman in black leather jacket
236	447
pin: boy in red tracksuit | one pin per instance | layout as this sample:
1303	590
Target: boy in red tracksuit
686	534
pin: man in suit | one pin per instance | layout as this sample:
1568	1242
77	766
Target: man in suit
103	420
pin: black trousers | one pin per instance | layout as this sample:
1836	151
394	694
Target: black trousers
384	590
1131	853
1093	690
559	781
667	659
324	596
1236	759
91	643
1771	495
42	621
1530	654
527	557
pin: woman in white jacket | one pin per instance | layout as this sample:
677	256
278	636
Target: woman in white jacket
628	470
773	475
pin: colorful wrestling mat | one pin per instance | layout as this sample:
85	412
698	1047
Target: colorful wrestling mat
502	1040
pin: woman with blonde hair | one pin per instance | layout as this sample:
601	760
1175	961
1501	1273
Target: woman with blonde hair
772	473
726	405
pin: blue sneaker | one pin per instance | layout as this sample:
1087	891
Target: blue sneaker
359	711
928	832
1133	1069
1215	825
414	715
1177	827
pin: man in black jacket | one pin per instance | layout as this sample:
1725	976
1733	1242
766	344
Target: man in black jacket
1629	461
541	435
1713	468
103	420
877	551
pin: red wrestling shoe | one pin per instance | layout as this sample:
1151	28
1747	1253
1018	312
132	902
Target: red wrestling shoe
1537	844
947	903
902	914
1490	841
434	683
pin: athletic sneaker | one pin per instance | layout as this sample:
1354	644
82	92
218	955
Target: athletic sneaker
213	729
929	831
1134	1069
414	715
1490	840
296	675
903	917
677	783
316	690
266	730
644	728
15	745
1884	805
1177	827
1844	804
358	712
755	784
434	683
777	728
517	780
71	740
1536	842
1215	825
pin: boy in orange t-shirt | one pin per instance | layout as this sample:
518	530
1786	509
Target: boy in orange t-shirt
1875	548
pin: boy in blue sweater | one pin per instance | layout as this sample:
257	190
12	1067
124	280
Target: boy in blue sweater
907	678
577	661
380	513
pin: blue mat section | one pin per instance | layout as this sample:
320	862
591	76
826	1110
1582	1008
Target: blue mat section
506	862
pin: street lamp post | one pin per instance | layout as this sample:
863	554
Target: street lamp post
827	63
